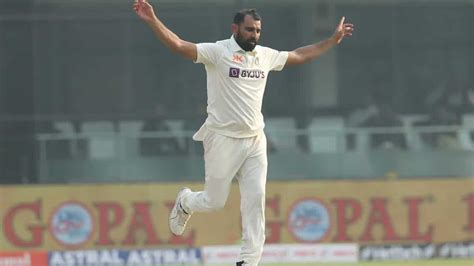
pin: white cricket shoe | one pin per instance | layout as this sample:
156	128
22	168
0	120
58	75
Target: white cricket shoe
178	216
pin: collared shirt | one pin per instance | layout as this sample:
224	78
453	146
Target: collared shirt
236	82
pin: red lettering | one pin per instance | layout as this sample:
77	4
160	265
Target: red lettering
469	199
111	214
36	231
141	221
379	215
414	221
342	253
273	204
344	219
273	232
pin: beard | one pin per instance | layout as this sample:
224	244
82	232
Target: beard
246	45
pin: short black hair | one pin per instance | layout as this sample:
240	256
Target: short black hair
240	16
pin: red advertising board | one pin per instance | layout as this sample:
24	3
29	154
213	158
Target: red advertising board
19	258
71	217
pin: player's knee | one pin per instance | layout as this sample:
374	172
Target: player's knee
257	199
259	196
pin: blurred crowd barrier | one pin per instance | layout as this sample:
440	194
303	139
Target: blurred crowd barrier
163	150
102	151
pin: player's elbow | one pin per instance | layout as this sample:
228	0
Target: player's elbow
176	47
304	58
297	58
185	49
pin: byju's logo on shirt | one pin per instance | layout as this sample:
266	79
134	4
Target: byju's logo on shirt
234	72
246	73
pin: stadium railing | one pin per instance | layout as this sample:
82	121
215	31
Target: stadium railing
338	152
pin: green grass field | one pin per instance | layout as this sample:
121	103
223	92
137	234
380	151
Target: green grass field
387	263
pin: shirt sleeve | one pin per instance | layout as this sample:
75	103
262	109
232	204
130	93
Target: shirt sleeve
208	53
277	59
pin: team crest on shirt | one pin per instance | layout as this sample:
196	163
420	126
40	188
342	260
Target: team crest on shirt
238	59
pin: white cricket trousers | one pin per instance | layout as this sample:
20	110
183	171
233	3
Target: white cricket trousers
245	159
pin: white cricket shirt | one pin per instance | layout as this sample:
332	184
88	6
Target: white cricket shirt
236	82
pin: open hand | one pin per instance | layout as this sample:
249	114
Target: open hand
144	10
343	30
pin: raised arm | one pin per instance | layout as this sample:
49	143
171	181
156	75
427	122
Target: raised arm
307	53
145	11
